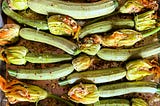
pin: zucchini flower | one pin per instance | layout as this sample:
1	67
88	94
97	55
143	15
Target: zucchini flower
14	55
62	25
135	6
138	69
82	62
126	37
17	91
131	6
138	102
90	49
90	45
123	37
18	4
145	21
84	93
9	34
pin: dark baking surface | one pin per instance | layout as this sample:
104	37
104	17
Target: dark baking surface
50	85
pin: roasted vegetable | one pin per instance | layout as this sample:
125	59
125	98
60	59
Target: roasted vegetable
138	69
43	37
17	91
141	22
104	26
19	55
18	4
111	90
43	74
120	38
80	92
15	55
62	25
46	57
82	62
84	93
9	34
134	6
75	10
39	24
90	49
126	37
123	37
145	21
131	6
96	76
125	54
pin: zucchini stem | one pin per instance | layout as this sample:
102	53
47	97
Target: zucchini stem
60	99
151	32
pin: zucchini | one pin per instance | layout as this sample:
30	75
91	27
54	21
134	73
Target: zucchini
111	90
46	58
111	102
120	54
43	37
42	74
96	76
105	26
75	10
39	24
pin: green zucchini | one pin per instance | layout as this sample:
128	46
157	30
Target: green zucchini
42	74
96	76
39	24
46	58
120	54
105	26
43	37
75	10
111	90
111	102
